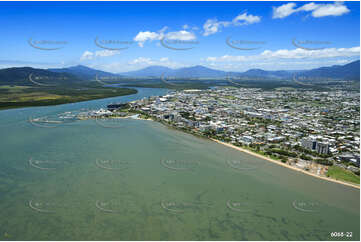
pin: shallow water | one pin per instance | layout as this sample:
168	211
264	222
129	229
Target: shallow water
142	181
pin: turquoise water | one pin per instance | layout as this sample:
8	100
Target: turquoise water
138	180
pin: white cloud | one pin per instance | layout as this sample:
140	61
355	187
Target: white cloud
317	10
141	60
244	19
284	10
308	7
212	26
336	9
269	56
315	54
145	36
164	59
142	37
181	35
88	55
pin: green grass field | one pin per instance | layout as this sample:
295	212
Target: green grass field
339	173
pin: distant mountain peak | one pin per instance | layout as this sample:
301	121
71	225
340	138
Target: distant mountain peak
199	71
349	71
81	71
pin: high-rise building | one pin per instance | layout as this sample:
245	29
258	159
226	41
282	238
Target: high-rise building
314	145
309	143
322	148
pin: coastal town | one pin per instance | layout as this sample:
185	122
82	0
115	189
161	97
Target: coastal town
309	130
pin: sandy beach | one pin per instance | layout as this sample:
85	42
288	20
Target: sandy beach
285	165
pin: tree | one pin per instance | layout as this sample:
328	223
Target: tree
324	162
305	157
283	158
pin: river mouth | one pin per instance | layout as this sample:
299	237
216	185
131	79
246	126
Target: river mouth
82	181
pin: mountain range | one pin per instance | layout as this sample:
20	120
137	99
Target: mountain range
350	71
75	74
83	72
24	76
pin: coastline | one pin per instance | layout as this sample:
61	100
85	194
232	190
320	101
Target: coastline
283	164
67	98
266	158
250	153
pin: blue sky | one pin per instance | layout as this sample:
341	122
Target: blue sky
232	36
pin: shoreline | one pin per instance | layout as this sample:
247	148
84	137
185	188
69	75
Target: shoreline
251	153
62	100
283	164
266	158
